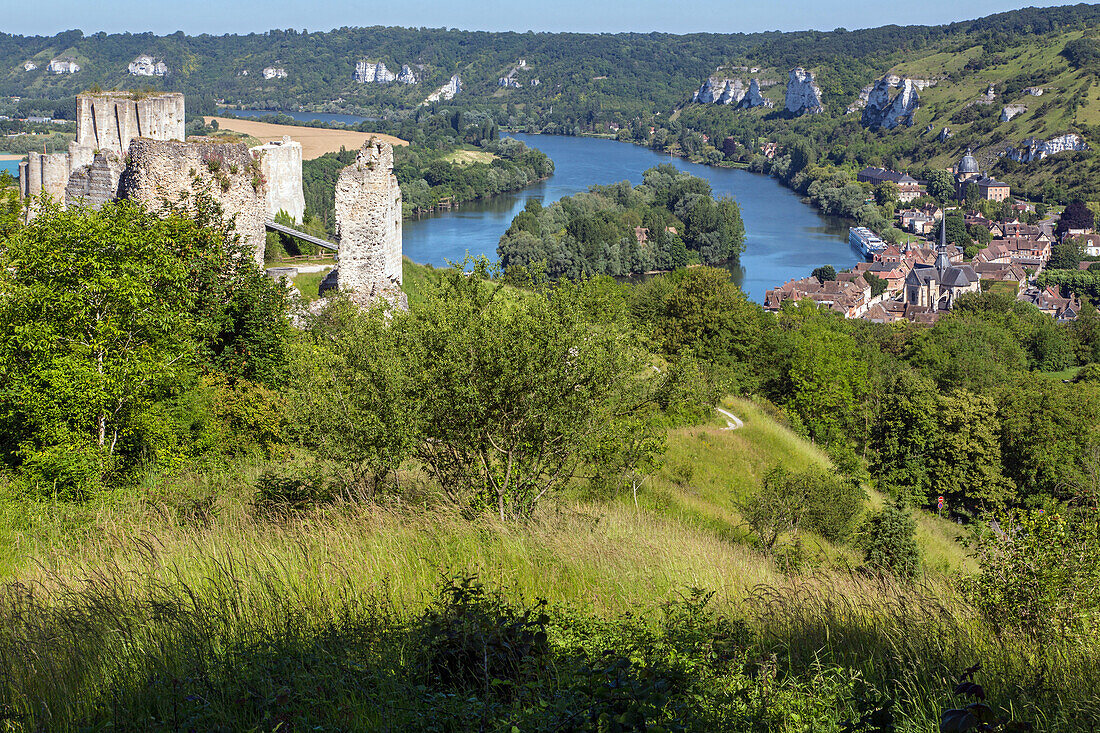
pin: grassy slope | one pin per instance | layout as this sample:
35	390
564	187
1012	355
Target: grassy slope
709	469
1046	116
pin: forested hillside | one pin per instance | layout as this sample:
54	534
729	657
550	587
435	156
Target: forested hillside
584	76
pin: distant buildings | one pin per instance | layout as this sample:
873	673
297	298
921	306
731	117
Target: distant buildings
967	173
908	188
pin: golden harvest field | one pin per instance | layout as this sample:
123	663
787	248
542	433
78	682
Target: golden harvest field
316	141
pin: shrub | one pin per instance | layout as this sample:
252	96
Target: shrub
1040	571
70	469
812	499
478	640
889	542
293	489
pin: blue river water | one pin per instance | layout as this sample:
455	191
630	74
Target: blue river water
11	166
785	238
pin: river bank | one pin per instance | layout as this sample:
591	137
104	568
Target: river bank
785	237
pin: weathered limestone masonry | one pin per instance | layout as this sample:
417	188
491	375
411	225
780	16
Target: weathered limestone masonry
49	173
96	184
109	121
105	125
167	169
368	226
281	166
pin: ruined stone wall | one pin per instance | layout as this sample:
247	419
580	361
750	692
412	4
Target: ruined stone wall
46	173
281	166
109	121
165	169
368	223
96	184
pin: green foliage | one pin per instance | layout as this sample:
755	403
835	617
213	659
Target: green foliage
702	313
812	499
930	443
1040	571
824	273
669	221
108	317
888	540
501	399
941	186
1076	215
1082	52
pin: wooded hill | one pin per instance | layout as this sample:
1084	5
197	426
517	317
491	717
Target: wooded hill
586	77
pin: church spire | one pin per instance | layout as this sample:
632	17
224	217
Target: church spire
943	232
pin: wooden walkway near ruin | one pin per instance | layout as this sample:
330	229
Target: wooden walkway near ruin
283	229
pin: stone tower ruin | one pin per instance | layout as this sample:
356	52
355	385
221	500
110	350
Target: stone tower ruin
173	170
281	166
368	227
106	123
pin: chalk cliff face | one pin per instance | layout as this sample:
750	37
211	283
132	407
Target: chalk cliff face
146	65
717	90
406	76
803	95
370	72
1011	110
883	112
447	91
1034	149
753	97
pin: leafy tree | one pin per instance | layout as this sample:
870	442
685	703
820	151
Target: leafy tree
1077	215
704	314
956	230
878	284
930	444
106	312
940	184
1067	255
810	499
824	273
95	320
889	542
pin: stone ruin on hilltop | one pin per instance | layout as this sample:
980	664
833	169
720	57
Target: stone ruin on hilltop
133	147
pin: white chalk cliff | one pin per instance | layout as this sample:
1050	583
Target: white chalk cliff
883	112
369	72
717	90
447	91
803	95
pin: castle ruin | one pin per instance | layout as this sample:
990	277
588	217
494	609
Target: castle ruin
171	170
368	228
281	167
134	147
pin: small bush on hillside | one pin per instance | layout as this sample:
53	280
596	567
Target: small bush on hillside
889	542
811	499
1040	571
302	489
478	640
70	469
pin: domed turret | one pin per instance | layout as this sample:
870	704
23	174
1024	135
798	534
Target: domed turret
968	164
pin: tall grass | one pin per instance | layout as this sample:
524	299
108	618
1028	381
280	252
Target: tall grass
162	617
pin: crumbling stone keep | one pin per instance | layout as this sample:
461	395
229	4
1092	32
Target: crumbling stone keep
108	121
169	169
281	166
368	226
